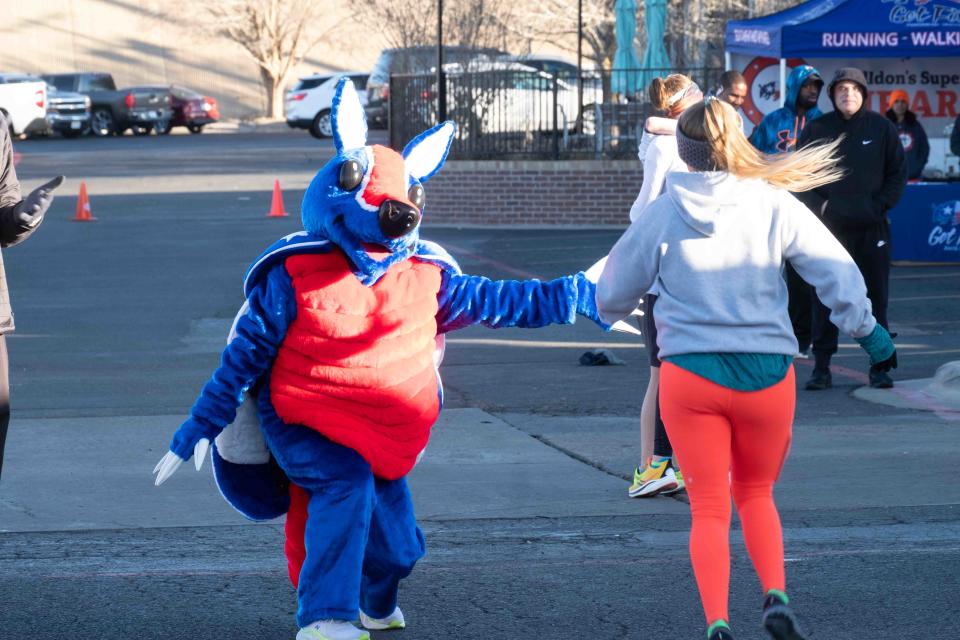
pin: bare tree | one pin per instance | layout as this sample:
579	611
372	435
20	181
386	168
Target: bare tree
556	21
402	23
695	29
277	34
467	23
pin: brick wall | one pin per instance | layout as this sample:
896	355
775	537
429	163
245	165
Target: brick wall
536	193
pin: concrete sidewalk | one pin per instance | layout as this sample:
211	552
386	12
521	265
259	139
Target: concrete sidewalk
95	473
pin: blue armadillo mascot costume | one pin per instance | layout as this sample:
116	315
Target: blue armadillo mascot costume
328	386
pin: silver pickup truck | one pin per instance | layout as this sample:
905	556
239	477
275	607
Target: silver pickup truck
68	113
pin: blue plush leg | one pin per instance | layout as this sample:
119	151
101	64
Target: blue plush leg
394	545
341	489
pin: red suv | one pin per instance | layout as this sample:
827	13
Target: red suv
190	109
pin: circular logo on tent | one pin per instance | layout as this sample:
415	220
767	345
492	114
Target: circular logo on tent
763	86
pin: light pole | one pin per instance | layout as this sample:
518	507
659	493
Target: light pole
580	66
441	80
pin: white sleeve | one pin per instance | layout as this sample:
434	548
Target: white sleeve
822	261
656	164
631	269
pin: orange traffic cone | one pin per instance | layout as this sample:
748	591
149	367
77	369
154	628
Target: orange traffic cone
276	207
83	206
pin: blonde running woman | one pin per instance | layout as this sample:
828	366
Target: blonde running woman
657	474
714	246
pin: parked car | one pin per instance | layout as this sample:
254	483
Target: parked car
68	113
506	97
114	111
189	109
489	98
23	100
566	72
308	104
410	60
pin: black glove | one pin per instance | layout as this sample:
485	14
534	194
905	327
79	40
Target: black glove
889	363
31	209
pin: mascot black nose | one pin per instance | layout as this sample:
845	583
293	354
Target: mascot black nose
398	219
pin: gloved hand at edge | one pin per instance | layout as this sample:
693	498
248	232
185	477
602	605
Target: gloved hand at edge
30	210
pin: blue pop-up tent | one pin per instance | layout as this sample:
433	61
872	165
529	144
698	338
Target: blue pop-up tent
850	29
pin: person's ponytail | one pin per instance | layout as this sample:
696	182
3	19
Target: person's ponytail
658	94
661	90
719	125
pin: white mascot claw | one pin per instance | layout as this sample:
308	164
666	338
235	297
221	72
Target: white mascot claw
593	274
171	462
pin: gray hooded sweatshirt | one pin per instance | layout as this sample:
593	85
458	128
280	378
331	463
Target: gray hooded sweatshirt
714	246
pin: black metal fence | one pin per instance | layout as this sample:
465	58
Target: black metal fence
509	113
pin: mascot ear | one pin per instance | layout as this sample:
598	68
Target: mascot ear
424	155
348	119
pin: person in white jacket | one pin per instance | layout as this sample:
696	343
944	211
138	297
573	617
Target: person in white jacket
714	246
657	474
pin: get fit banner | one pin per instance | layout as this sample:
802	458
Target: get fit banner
933	85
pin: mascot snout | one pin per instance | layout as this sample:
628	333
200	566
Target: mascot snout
397	218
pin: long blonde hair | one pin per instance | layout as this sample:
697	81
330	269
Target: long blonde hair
718	124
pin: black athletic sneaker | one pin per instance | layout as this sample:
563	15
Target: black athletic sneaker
778	619
880	379
720	631
820	380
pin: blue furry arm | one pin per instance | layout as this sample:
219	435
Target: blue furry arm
467	300
259	331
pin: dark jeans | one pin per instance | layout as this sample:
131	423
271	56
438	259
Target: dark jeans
870	250
4	396
800	307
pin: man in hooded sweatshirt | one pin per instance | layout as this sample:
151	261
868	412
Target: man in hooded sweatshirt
913	137
855	207
778	133
779	130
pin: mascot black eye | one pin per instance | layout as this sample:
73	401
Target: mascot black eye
416	196
350	175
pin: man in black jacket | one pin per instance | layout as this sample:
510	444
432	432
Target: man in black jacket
19	218
855	208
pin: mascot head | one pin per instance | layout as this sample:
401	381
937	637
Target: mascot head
370	198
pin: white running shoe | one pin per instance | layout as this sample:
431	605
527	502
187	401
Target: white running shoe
393	621
332	630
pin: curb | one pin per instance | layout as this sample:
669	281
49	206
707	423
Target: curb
246	126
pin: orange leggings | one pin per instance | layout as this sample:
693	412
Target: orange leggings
728	441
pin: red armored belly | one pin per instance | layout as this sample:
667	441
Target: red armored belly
357	362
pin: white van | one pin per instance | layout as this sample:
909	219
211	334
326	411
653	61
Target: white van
23	99
308	104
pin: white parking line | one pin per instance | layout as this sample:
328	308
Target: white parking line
947	297
495	342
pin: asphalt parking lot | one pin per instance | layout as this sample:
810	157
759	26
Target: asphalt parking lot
522	494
